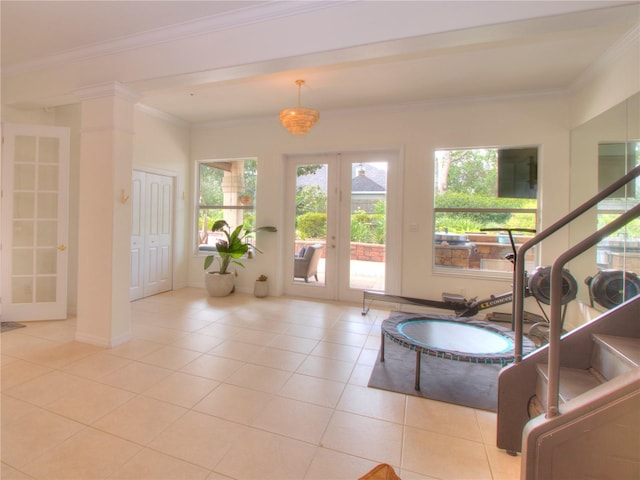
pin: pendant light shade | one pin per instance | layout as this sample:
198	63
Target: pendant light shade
299	120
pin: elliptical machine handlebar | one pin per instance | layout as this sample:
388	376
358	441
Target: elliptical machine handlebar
510	256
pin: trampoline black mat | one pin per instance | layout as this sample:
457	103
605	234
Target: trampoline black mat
468	384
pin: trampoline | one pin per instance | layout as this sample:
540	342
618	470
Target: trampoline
451	338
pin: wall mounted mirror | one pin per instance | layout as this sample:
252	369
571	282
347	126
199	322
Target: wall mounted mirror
602	150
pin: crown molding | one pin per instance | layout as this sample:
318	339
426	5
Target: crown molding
154	112
107	89
211	24
630	40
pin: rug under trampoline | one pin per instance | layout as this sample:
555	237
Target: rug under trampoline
468	384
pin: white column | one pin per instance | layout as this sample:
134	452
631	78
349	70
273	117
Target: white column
106	149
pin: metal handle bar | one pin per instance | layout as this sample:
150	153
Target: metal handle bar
555	327
518	273
510	232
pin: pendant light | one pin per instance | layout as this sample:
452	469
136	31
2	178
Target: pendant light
299	120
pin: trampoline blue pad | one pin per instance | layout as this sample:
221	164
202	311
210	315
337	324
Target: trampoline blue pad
452	336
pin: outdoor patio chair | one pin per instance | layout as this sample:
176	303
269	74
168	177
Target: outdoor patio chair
306	262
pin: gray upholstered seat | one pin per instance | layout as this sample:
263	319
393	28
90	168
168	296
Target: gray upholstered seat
306	262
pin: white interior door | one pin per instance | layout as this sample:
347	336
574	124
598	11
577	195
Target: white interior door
158	261
35	203
151	234
137	235
347	205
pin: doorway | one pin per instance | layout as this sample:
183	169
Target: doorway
35	217
339	224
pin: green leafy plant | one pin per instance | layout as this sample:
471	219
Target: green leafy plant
234	246
312	225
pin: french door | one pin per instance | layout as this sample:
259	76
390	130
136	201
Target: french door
35	200
341	224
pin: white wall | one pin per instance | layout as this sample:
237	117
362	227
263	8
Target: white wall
419	130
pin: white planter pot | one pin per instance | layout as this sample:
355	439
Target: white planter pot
219	285
261	288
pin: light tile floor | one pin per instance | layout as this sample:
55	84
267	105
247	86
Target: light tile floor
239	388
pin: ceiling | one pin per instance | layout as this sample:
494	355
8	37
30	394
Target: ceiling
548	47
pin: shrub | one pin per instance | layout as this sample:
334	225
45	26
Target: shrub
474	221
312	225
367	227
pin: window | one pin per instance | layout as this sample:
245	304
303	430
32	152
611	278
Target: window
226	191
477	189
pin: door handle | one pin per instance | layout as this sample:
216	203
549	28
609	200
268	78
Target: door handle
62	247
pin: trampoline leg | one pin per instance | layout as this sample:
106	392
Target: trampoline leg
382	347
418	370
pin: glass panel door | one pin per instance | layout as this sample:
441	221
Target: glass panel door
367	225
337	225
34	221
312	226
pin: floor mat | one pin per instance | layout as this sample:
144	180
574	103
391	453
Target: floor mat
7	326
468	384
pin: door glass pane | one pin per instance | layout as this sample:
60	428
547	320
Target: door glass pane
47	233
22	289
22	262
46	261
23	205
22	233
47	205
311	224
368	225
46	289
48	177
49	150
25	149
24	177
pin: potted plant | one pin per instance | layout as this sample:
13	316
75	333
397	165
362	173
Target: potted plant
244	198
234	246
261	288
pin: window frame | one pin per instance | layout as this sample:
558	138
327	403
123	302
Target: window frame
235	189
476	272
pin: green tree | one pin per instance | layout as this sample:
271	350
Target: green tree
250	177
210	181
307	170
468	180
474	172
310	199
